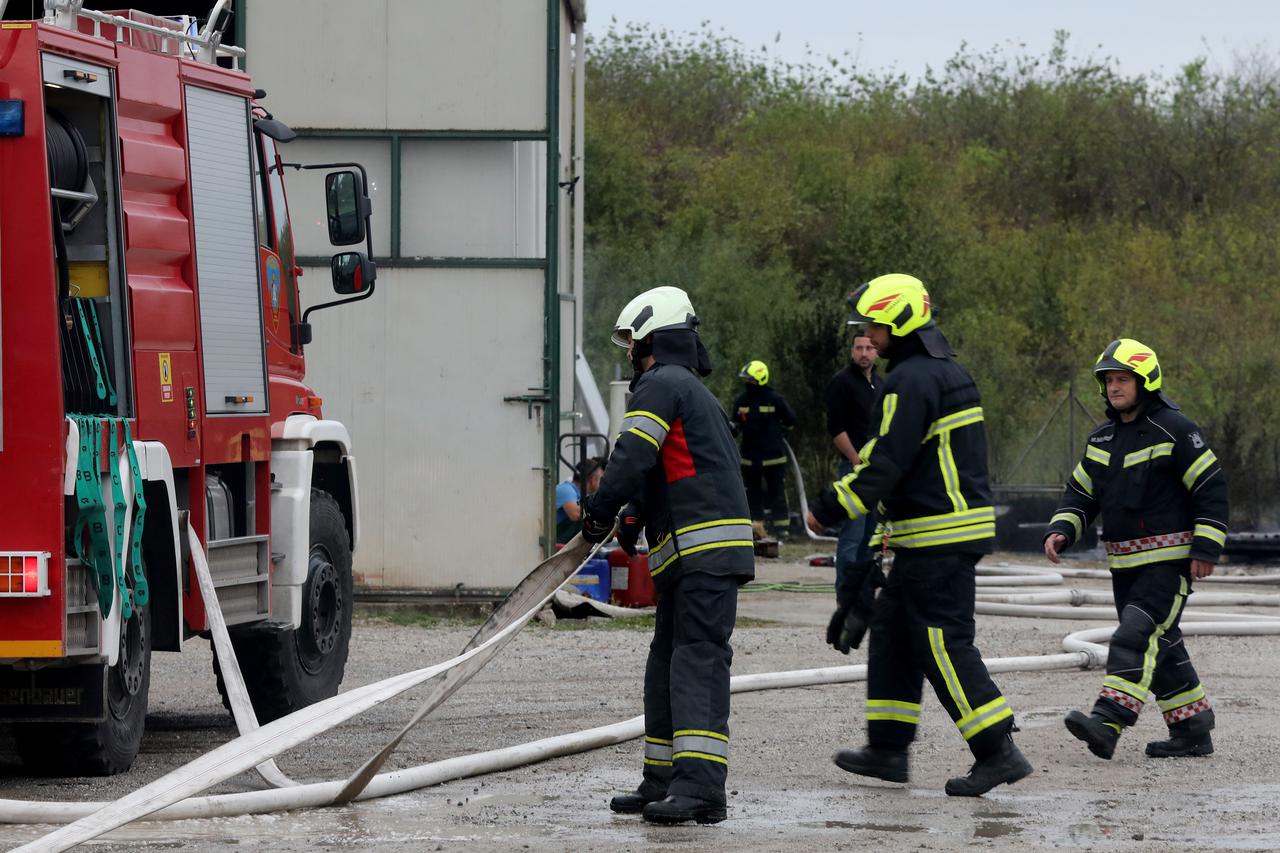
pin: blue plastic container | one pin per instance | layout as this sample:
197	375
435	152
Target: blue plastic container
594	580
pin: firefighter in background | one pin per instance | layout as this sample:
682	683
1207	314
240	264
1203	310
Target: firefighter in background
927	464
1163	499
675	469
761	417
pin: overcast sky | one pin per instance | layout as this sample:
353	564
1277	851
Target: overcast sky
905	36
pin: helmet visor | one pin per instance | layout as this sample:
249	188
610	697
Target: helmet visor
622	337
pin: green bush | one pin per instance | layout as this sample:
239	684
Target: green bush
1050	204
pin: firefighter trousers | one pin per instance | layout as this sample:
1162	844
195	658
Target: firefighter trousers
686	687
766	492
922	627
1147	657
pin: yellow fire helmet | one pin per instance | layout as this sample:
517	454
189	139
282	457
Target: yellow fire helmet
754	373
896	300
1133	356
900	302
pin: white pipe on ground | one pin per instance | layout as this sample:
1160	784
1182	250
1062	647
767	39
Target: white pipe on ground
162	799
1044	611
435	773
1048	579
1077	597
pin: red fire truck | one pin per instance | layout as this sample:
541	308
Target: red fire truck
152	380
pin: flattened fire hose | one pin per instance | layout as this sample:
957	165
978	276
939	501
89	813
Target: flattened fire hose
255	747
92	819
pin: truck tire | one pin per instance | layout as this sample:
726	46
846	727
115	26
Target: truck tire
107	747
290	669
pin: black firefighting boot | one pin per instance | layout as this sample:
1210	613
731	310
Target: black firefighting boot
634	802
1097	733
1188	736
887	764
1006	766
1178	746
677	809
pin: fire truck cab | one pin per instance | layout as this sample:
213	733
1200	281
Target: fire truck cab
152	380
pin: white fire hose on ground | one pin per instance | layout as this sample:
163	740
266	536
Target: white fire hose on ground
172	796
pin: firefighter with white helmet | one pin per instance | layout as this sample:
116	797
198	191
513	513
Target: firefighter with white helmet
1150	474
761	416
675	468
926	464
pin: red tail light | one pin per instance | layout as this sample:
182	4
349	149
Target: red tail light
30	574
24	573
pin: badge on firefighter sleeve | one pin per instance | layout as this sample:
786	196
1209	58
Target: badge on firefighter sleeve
1196	441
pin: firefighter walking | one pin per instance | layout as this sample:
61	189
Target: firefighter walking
1150	474
675	468
926	464
761	417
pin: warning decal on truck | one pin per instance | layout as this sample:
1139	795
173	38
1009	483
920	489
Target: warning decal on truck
166	378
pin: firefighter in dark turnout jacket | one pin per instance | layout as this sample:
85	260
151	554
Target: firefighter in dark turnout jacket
675	468
1163	500
761	417
926	465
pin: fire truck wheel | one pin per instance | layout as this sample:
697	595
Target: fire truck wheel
287	670
108	747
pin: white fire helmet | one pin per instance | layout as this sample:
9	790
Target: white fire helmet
660	308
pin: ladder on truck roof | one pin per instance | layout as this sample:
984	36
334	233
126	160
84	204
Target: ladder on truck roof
204	46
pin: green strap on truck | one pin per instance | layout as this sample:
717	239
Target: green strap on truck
93	347
100	353
141	591
91	520
107	565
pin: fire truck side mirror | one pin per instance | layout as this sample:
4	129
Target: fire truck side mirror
348	209
352	273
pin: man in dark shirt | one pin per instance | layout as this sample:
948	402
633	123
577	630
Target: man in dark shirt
851	395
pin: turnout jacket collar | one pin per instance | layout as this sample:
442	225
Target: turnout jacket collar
1157	486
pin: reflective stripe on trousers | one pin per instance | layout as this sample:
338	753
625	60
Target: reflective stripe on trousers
702	745
657	751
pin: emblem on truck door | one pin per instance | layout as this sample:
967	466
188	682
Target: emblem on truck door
273	284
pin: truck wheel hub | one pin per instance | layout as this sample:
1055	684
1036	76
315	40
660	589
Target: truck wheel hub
322	616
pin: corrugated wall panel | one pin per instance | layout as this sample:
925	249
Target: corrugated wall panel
226	251
450	483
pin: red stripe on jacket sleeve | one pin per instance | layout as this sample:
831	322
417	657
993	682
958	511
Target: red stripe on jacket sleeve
677	461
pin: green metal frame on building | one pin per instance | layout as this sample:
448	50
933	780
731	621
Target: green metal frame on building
549	264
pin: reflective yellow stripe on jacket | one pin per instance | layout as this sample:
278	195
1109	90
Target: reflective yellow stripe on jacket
723	533
647	425
946	529
1148	454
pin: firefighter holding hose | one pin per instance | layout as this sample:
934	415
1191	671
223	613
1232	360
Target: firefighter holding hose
1163	500
926	463
675	468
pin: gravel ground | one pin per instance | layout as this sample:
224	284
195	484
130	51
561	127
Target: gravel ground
785	792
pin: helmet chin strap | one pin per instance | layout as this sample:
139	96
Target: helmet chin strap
640	350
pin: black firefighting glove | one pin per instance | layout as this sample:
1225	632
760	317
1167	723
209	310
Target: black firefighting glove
595	528
849	623
847	628
630	527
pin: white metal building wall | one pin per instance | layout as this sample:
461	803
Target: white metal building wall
452	489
